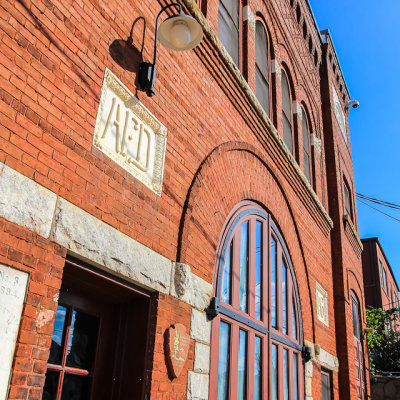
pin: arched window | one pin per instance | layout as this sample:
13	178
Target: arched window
228	27
257	331
306	145
287	112
262	67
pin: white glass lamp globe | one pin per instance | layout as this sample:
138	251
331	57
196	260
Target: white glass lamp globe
179	35
180	32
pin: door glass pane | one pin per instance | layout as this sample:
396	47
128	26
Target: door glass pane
285	375
82	340
242	365
295	377
243	265
50	385
325	386
274	372
226	277
257	369
294	319
58	334
284	298
273	282
75	387
258	277
223	361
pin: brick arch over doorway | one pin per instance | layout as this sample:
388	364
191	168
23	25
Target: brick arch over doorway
231	173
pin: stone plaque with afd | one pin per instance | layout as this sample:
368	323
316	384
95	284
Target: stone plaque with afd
128	133
12	296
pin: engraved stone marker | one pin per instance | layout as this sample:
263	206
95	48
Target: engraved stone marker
12	295
128	133
322	305
339	114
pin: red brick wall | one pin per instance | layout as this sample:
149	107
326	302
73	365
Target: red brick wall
168	311
44	261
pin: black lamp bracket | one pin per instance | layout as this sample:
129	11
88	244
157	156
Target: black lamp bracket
147	71
306	353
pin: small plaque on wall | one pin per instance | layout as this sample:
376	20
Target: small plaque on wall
322	304
128	133
339	114
12	296
177	343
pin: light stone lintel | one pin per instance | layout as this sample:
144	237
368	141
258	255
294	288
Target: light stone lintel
322	357
32	206
249	16
275	67
25	202
297	109
190	288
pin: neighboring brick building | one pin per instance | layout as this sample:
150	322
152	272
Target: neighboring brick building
196	244
380	286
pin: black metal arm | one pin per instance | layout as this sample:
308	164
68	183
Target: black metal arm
147	71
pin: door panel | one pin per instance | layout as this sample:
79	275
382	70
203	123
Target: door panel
358	348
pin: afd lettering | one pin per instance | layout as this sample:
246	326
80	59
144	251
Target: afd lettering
132	138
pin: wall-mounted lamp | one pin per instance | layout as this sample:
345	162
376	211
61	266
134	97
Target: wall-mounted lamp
306	353
353	103
179	32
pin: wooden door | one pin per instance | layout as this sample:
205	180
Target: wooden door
100	338
358	349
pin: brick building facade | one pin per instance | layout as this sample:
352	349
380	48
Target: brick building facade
380	286
226	212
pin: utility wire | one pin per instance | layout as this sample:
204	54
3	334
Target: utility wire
376	209
377	201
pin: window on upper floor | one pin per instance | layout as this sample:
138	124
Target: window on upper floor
262	67
382	273
306	146
228	27
257	334
287	116
348	209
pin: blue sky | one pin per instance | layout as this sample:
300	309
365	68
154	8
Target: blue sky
365	34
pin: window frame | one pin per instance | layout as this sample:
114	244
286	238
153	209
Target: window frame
285	73
259	69
347	195
383	276
305	115
239	30
228	313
